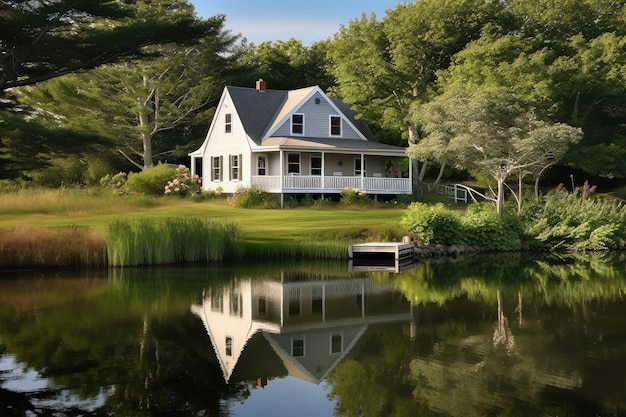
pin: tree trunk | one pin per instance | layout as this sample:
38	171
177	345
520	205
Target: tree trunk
500	196
146	139
418	172
519	191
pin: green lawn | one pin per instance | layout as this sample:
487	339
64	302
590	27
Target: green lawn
71	208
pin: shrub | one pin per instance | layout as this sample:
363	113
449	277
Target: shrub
478	225
150	181
252	197
351	197
183	184
482	227
432	224
115	183
564	221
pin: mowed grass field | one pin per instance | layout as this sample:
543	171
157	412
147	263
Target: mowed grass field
96	210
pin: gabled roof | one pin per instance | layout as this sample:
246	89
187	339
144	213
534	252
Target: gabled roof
256	109
261	112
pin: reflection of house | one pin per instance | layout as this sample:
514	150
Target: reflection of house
310	325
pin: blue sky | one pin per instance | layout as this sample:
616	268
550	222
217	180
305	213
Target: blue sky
307	21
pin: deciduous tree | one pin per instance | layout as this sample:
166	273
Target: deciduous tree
488	132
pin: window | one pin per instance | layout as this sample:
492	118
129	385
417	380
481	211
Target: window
297	346
336	342
216	168
335	126
236	300
198	164
293	163
294	307
316	165
261	165
357	167
360	301
297	124
217	301
228	123
235	167
229	346
317	305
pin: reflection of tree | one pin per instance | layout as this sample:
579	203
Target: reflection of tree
376	382
136	344
502	334
479	363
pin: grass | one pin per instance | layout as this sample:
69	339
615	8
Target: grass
168	241
299	232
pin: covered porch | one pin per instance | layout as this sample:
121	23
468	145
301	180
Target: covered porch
332	184
296	170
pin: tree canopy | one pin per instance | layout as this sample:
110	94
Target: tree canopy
488	133
40	40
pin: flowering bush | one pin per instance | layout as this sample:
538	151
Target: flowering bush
252	197
183	183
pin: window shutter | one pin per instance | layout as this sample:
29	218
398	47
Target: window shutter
230	167
221	174
240	167
212	168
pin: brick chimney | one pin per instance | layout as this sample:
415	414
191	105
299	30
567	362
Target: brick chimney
260	84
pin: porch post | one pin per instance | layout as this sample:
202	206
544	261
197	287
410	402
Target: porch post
280	172
362	171
323	172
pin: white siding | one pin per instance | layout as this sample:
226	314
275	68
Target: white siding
317	121
226	144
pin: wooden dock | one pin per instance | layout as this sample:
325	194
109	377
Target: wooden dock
381	250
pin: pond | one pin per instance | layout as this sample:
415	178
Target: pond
491	335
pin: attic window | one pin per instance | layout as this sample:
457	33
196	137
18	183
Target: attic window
228	123
297	346
335	126
297	124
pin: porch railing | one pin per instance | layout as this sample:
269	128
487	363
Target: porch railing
317	183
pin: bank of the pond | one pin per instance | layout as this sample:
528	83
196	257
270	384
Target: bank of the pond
174	241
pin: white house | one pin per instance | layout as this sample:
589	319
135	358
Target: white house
293	142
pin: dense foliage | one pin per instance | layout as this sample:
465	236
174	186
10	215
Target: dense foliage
478	226
105	101
567	221
560	221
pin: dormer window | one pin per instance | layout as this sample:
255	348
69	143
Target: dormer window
228	123
335	126
297	124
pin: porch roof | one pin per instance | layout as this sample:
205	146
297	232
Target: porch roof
331	145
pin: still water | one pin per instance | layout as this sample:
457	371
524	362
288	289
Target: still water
488	336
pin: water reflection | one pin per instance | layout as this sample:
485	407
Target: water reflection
491	335
310	324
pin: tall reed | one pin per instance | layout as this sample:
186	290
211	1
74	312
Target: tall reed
168	241
28	246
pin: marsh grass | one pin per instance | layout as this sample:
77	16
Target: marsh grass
170	241
70	200
27	247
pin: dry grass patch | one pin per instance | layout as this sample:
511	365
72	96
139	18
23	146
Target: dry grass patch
28	246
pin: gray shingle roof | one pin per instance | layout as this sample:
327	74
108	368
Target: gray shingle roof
259	109
256	109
